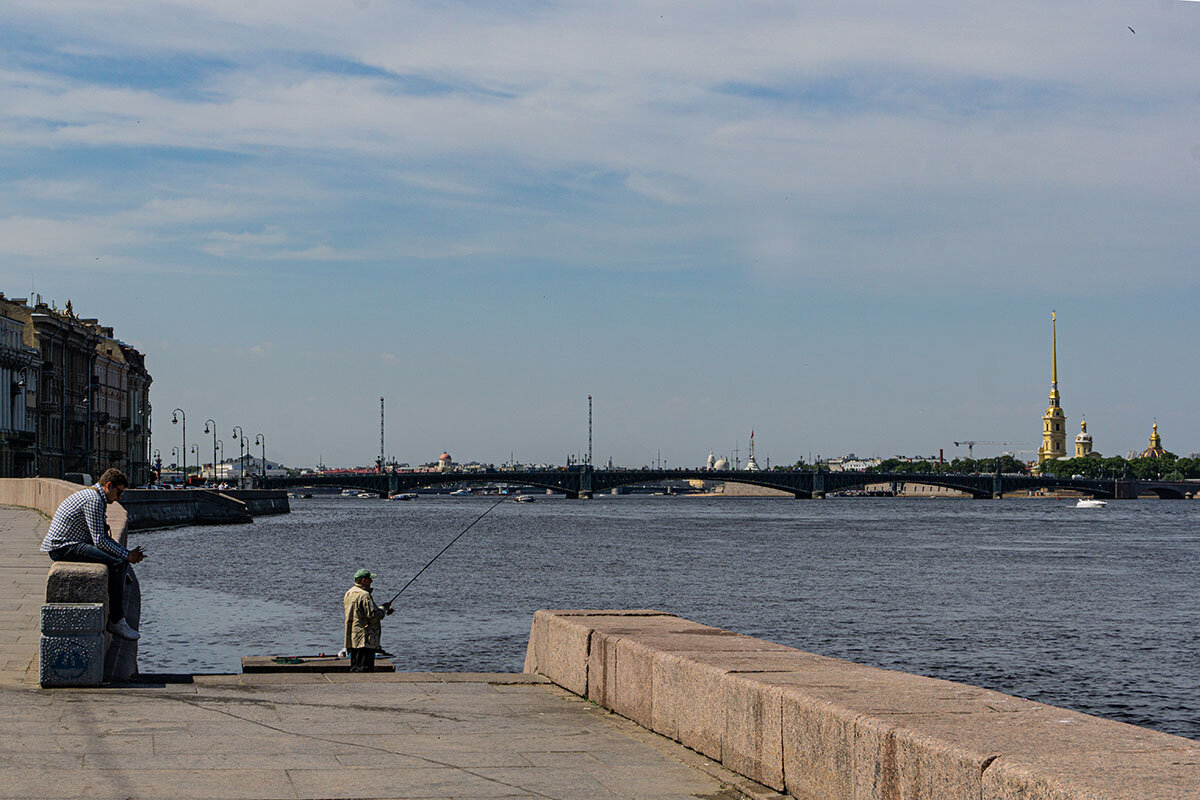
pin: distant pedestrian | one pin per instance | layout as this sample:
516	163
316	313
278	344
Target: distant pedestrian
363	630
80	532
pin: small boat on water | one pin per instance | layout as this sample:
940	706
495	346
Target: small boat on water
404	496
1091	503
365	494
461	493
349	493
523	498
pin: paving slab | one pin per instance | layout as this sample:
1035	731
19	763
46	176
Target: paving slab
270	736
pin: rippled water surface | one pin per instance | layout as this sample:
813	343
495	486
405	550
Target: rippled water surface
1090	609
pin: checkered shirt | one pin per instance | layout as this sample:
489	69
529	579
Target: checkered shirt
82	518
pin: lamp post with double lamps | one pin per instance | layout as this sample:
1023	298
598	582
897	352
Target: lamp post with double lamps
260	439
241	437
207	424
175	415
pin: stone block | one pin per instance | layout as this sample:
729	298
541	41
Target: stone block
688	704
818	747
77	582
895	762
752	742
61	619
72	660
632	679
558	649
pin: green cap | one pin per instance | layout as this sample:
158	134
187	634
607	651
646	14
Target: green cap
363	573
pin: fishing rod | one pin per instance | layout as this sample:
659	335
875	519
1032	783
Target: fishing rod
444	549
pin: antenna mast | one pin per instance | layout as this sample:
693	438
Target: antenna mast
589	459
381	434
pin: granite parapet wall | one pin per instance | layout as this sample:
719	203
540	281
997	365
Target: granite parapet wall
261	502
819	727
158	508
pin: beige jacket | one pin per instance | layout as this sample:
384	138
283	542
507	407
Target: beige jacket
362	618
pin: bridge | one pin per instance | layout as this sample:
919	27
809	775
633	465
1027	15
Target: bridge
585	481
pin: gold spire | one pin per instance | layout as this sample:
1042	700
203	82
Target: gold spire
1054	421
1083	426
1053	359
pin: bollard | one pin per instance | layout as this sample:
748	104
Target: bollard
72	645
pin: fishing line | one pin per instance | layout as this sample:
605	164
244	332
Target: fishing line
444	549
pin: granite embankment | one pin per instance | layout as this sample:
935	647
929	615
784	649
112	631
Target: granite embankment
143	509
389	735
819	727
157	508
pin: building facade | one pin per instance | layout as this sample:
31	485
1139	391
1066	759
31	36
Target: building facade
19	368
90	410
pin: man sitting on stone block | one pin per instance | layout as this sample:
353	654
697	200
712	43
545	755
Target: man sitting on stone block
79	532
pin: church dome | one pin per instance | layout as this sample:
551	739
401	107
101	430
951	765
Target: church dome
1083	435
1156	449
721	463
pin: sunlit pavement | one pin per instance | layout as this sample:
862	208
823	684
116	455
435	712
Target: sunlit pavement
401	735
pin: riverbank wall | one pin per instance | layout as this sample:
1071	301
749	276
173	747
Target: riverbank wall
44	495
146	509
158	508
819	727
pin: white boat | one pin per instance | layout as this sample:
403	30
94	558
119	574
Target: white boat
1091	503
523	498
349	493
365	494
461	493
404	496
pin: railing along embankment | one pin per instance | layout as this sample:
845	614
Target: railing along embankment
75	648
819	727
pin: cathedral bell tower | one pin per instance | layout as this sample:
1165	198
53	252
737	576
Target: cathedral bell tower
1054	421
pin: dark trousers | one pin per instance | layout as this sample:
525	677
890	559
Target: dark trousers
362	659
90	554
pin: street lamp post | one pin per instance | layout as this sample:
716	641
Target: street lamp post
260	439
207	423
241	437
175	415
220	444
175	454
199	467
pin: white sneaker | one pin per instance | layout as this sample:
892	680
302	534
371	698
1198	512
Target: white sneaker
123	630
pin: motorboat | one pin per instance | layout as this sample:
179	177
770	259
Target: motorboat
365	494
523	498
404	496
461	493
1090	502
349	493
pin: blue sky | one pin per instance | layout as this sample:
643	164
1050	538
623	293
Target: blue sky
842	225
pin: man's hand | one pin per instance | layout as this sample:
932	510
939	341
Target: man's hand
136	555
388	608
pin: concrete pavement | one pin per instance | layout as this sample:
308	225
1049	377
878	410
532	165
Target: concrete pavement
404	735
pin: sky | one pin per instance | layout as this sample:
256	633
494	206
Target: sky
842	225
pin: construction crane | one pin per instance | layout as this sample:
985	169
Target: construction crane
971	445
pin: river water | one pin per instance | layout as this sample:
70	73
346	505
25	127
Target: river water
1094	610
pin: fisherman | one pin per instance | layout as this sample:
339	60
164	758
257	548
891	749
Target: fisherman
80	532
362	622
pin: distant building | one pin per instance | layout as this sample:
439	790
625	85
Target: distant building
445	462
72	397
851	463
1156	449
1054	421
20	363
1083	442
